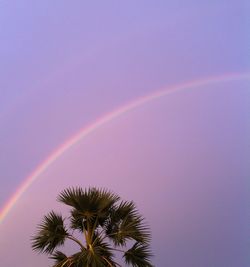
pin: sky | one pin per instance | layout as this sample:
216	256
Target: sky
183	157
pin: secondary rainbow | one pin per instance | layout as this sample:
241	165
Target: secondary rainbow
107	118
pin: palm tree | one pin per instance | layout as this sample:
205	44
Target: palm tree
107	226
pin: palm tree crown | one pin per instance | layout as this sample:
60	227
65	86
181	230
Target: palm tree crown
107	225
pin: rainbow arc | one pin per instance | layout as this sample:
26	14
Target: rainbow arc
105	119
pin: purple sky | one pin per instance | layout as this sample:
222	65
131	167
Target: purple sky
183	158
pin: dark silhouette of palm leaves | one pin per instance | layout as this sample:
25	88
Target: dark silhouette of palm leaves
108	225
51	233
138	255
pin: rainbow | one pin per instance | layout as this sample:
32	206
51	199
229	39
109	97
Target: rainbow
105	119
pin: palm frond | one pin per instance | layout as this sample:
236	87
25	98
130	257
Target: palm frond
80	258
88	258
100	254
58	256
89	202
51	233
61	260
101	247
70	196
77	220
92	205
138	256
117	214
125	223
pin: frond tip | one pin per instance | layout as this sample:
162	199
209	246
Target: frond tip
51	233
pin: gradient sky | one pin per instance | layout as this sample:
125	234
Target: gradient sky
184	158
